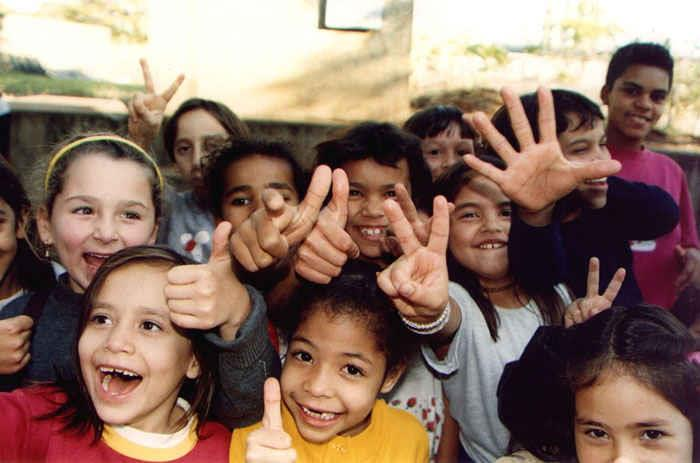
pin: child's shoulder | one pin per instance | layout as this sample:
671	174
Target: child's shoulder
391	418
35	400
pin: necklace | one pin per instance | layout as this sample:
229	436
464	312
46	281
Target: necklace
498	289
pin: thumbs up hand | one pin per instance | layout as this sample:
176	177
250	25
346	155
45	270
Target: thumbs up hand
327	247
207	296
270	443
266	236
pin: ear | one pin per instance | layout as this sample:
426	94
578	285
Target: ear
392	377
22	224
193	369
154	234
604	93
43	224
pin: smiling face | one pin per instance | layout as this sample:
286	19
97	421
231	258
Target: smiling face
105	205
8	236
198	134
583	145
636	102
445	149
246	179
370	184
332	375
479	227
620	419
132	360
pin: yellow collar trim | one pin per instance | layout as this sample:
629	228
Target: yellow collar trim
121	445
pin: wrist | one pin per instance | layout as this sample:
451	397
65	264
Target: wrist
433	326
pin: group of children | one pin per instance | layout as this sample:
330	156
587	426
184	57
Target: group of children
440	292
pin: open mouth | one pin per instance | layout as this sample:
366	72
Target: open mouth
492	245
639	118
372	233
318	418
597	181
94	259
117	381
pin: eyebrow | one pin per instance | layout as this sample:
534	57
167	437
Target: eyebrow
354	355
472	204
93	199
360	185
629	83
247	188
161	312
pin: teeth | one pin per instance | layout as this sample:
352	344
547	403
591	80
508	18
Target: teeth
105	382
597	180
325	416
491	246
371	231
111	371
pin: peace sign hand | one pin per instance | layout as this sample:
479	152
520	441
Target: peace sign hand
584	308
146	109
539	174
417	281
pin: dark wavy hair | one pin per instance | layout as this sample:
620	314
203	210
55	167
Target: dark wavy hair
78	412
641	53
537	392
550	305
431	121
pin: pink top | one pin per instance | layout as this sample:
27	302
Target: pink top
656	264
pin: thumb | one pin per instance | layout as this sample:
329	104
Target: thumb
272	416
680	251
273	202
339	200
219	245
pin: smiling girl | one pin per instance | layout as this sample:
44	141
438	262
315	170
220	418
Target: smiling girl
127	400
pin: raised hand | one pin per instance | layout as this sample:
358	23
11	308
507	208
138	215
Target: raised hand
417	281
270	443
539	174
690	262
15	334
584	308
327	246
146	109
266	236
207	296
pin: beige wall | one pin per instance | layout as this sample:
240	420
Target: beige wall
268	59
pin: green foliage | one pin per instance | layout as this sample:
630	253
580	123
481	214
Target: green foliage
17	83
488	52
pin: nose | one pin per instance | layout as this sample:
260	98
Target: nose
643	101
450	158
492	222
624	452
119	340
317	382
105	229
372	206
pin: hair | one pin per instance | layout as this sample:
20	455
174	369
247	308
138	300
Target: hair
112	146
355	293
235	128
78	412
431	121
537	392
386	144
566	104
639	53
549	303
31	272
243	148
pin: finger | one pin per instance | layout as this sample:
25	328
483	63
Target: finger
406	203
686	274
309	273
386	284
545	116
494	138
187	320
139	106
272	414
402	229
439	226
183	307
321	265
273	202
339	200
615	284
484	168
577	313
518	119
242	254
220	240
593	279
320	245
311	205
250	238
170	91
596	169
185	274
16	324
181	292
568	319
334	234
680	252
147	80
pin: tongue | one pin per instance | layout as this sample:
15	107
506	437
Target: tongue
93	260
116	385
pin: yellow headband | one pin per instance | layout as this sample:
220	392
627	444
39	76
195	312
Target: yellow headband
113	138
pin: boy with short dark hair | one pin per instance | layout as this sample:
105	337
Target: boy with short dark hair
637	85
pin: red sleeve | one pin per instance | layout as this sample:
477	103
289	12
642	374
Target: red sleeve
22	437
689	232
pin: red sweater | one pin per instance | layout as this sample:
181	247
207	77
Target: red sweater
23	438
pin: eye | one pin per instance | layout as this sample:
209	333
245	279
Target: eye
432	152
658	97
506	211
183	150
149	325
390	194
652	434
302	356
354	193
100	319
352	370
83	210
131	215
596	433
240	202
469	215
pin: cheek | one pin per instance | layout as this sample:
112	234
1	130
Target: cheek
141	233
236	215
354	207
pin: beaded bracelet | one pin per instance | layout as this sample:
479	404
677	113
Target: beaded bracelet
429	328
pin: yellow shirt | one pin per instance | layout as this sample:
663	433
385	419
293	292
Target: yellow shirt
392	436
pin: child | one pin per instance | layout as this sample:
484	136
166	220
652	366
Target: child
553	241
133	363
102	194
445	136
196	129
20	269
618	387
346	345
636	89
